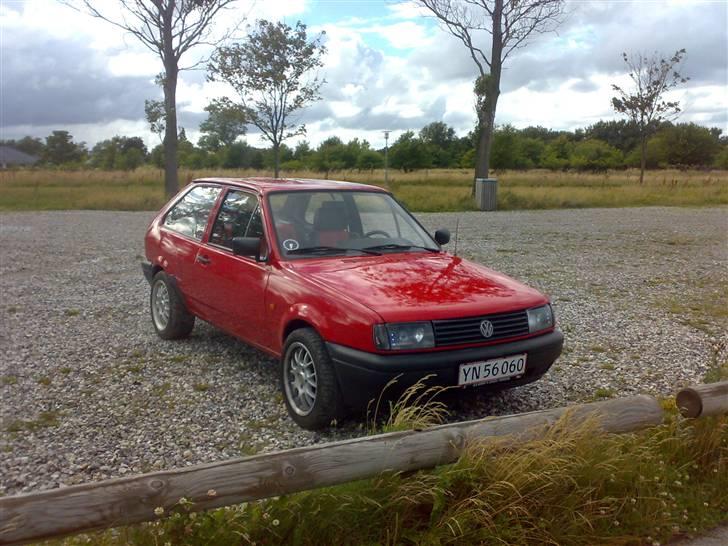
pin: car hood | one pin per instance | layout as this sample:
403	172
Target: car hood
419	286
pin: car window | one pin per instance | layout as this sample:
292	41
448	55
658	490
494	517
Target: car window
318	200
239	216
189	216
344	221
378	217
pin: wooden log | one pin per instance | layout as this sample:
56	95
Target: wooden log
122	501
703	400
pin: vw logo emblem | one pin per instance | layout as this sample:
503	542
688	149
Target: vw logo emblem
486	328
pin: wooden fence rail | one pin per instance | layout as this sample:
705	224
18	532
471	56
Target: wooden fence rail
129	500
703	400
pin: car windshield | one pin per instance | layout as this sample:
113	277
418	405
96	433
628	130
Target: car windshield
344	222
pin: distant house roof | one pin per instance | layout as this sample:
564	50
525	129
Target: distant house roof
11	156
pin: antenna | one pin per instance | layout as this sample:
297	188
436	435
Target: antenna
457	228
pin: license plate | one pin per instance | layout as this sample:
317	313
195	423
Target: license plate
491	371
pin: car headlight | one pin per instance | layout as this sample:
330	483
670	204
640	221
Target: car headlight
404	335
540	318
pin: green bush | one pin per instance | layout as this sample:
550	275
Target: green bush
595	155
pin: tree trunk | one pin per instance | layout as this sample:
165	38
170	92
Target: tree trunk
276	159
643	157
486	116
171	185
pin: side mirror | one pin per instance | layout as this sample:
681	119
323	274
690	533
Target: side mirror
442	236
247	246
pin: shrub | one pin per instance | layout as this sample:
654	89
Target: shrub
595	155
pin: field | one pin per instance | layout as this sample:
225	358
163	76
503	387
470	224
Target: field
423	191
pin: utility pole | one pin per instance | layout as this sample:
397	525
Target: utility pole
386	156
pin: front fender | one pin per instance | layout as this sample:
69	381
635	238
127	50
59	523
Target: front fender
336	318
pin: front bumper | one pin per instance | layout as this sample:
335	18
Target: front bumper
362	376
148	270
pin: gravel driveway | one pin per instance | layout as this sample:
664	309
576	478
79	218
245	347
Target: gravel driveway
87	390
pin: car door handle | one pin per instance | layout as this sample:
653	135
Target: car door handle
204	260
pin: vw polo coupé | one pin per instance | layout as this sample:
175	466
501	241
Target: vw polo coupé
343	285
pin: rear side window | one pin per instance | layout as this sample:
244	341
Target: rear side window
239	216
189	216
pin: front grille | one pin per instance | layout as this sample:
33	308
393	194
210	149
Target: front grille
467	330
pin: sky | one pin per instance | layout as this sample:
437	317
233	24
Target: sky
388	66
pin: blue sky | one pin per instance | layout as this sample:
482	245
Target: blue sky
387	67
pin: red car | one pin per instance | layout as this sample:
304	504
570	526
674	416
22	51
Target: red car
345	287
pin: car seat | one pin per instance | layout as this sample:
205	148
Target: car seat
330	223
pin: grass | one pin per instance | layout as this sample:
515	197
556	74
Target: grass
706	310
423	191
573	486
45	419
603	392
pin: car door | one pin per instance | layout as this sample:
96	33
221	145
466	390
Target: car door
182	231
236	284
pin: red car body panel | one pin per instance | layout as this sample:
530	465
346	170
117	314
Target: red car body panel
342	297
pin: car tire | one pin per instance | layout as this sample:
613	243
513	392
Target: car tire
304	359
170	316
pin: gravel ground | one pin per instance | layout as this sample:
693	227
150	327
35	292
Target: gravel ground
87	390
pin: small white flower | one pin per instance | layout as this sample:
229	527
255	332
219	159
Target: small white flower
159	511
211	493
275	523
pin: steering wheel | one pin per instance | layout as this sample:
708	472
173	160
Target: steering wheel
377	232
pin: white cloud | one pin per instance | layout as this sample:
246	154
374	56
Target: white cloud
394	70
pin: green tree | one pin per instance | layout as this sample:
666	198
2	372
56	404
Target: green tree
60	149
409	153
595	155
273	73
644	104
621	134
28	145
512	150
688	144
329	156
154	112
224	124
441	140
721	158
369	160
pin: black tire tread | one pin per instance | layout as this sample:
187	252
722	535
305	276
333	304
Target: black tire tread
329	407
181	321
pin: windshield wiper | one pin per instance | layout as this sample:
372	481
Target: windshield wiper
331	250
395	246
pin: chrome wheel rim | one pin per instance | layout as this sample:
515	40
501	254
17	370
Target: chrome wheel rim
299	379
160	305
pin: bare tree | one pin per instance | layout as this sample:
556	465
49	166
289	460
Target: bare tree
510	24
644	104
274	74
169	28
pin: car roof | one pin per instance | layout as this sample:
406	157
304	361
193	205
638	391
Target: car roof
267	185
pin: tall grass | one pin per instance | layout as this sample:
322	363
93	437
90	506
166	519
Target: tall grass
426	190
573	486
